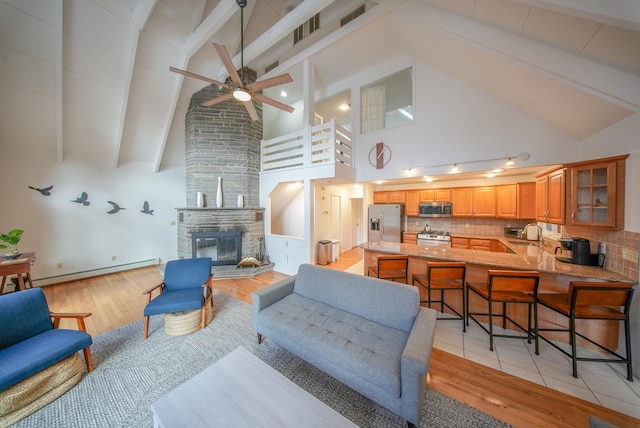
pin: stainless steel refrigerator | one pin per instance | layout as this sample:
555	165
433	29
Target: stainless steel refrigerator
387	222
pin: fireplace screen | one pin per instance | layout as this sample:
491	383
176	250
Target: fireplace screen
224	248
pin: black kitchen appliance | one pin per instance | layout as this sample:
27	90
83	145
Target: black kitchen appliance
580	252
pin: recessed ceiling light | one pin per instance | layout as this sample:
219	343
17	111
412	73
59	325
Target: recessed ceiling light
490	174
497	170
283	94
428	179
344	107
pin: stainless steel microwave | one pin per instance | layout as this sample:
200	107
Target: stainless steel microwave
434	209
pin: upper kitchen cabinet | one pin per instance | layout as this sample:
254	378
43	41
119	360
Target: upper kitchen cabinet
435	195
550	197
597	193
526	202
473	202
506	201
380	197
411	202
389	197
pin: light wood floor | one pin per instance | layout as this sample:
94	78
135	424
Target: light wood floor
116	300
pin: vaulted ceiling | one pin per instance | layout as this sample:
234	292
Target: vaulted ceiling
90	79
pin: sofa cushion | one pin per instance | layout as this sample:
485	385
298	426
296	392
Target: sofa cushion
22	315
389	303
175	301
368	349
39	352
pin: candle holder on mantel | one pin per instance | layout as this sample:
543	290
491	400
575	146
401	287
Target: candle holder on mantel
240	201
199	200
219	193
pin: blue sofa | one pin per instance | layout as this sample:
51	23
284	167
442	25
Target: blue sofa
29	342
368	333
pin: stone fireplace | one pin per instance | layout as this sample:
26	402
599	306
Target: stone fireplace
222	141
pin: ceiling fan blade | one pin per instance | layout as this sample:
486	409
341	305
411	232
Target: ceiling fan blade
273	103
228	64
217	100
273	81
197	76
251	109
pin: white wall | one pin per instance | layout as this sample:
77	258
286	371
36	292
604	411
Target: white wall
86	237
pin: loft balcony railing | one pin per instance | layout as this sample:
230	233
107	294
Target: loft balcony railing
329	143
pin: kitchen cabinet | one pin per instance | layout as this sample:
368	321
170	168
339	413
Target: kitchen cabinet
461	243
473	201
396	197
462	201
550	197
498	247
597	193
516	200
526	200
435	195
480	244
410	238
506	201
411	202
380	197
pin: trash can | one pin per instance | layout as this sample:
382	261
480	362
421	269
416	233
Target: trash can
323	252
335	250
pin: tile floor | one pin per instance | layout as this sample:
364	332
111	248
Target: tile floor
600	383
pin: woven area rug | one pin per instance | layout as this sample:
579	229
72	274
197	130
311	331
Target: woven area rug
131	373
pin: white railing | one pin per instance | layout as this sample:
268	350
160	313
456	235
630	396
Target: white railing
328	143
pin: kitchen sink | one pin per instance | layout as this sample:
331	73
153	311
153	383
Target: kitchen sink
522	243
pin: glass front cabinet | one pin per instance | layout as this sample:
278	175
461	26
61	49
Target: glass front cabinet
597	193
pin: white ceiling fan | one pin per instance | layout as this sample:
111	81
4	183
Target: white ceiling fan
240	90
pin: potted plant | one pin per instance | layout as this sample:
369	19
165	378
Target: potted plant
11	240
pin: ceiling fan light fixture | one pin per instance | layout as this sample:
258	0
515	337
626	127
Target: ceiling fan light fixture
241	94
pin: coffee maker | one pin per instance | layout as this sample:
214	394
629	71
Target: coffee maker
579	252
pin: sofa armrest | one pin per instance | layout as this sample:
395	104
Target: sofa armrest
415	363
267	296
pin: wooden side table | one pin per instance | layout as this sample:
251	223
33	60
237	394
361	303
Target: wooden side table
19	266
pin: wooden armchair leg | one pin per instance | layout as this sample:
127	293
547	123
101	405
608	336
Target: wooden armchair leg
259	338
88	359
146	328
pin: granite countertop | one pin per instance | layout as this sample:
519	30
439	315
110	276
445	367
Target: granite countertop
526	256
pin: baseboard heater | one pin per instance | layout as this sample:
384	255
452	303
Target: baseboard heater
95	272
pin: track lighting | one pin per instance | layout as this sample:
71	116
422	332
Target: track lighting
510	161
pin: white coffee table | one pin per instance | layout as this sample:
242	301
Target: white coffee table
240	390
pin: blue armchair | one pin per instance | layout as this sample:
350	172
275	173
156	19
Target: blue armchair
38	361
187	286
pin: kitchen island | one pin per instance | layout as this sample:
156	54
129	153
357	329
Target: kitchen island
555	276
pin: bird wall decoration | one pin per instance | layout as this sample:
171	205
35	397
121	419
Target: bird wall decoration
83	199
44	192
145	208
116	208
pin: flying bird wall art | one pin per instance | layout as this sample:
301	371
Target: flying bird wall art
44	192
83	199
145	208
116	208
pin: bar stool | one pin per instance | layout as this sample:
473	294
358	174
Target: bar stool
591	301
390	267
507	286
444	276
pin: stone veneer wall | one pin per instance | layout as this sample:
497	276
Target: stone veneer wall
248	220
222	141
